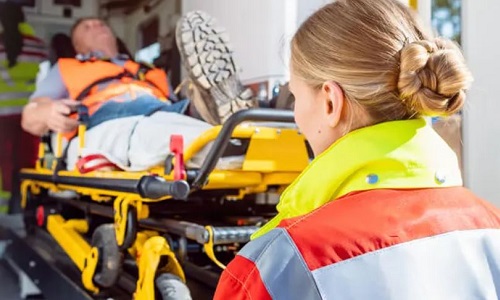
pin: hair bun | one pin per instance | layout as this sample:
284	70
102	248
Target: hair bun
433	77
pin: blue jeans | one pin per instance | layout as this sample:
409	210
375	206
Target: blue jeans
142	106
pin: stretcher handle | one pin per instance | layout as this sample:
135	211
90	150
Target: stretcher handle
220	235
154	187
82	114
229	235
222	140
199	233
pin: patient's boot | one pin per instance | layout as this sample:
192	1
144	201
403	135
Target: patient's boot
215	88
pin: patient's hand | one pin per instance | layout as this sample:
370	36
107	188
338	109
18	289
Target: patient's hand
44	114
58	119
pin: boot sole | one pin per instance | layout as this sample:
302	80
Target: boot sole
205	49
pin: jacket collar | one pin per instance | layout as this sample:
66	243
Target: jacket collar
100	56
392	155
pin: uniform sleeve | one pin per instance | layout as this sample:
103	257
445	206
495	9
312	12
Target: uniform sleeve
52	86
241	281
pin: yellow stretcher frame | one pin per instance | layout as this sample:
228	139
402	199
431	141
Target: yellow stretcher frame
275	156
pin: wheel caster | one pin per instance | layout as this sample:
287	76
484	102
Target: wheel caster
110	259
171	287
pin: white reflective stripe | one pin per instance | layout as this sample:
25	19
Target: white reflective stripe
456	265
253	250
14	95
31	58
25	58
36	43
281	266
5	111
38	49
5	75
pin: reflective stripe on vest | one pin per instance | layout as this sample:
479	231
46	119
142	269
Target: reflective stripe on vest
455	265
281	267
382	244
17	83
24	72
23	57
7	111
12	103
395	272
7	96
38	50
5	76
33	50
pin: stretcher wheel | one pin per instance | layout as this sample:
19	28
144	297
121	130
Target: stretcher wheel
110	260
171	287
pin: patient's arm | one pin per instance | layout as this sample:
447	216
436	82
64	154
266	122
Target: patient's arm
43	114
47	109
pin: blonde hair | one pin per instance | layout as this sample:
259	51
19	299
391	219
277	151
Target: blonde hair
383	59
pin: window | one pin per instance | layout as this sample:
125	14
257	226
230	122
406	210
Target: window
446	18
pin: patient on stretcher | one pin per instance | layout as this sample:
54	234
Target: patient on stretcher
132	113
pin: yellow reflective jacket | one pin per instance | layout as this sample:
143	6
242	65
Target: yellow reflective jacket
392	155
17	83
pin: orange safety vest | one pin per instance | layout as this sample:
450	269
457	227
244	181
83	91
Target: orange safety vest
82	78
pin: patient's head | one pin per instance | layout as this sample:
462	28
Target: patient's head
355	63
93	34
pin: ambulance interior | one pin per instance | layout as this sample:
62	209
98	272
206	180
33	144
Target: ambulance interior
179	218
189	219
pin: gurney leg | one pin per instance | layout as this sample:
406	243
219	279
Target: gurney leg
67	235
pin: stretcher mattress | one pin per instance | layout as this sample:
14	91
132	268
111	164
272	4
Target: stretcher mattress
139	143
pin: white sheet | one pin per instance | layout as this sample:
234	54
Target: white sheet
139	143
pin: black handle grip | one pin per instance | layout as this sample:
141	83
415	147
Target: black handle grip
154	187
83	114
222	140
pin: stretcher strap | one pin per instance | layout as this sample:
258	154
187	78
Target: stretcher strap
177	148
82	168
209	248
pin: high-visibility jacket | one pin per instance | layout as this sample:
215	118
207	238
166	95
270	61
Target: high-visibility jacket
381	214
84	80
18	82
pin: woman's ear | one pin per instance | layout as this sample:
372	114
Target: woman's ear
333	99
